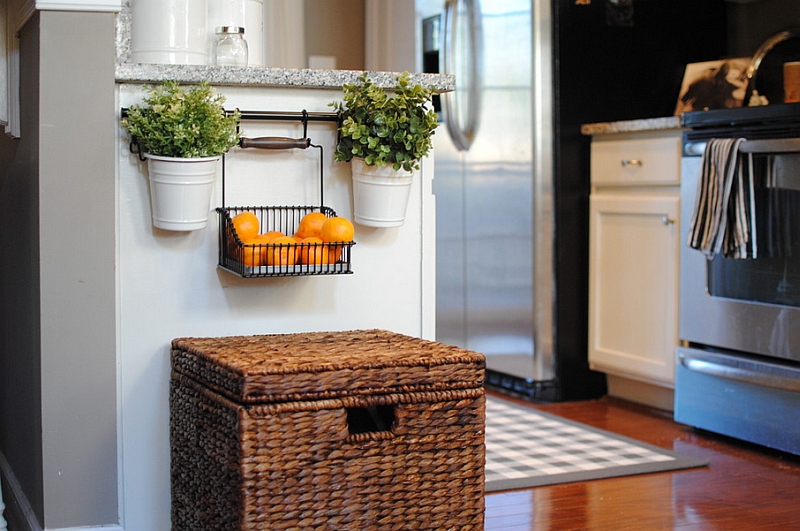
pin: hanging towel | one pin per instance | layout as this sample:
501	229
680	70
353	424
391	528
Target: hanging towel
723	221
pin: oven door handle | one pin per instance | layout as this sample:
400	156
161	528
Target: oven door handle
748	373
772	145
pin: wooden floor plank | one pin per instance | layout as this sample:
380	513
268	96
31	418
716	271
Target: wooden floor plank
744	487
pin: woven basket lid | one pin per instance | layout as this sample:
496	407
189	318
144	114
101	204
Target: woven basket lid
319	365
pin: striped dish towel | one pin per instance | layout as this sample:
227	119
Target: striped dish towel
723	221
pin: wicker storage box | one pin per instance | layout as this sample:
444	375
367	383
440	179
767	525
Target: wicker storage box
361	430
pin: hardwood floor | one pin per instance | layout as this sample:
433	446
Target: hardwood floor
745	487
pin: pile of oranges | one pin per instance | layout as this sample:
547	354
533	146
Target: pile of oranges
319	239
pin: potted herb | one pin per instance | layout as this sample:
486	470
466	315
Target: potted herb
384	136
182	133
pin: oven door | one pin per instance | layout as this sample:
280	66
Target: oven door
740	396
750	306
738	371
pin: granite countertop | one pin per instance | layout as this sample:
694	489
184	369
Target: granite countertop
129	72
632	126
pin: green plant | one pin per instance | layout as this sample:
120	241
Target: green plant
182	123
385	129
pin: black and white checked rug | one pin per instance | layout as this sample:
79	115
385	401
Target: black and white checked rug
530	448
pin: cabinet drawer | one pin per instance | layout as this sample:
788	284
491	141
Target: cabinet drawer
636	161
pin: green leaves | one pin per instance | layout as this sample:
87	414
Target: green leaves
385	129
182	123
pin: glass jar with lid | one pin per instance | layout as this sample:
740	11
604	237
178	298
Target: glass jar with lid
230	48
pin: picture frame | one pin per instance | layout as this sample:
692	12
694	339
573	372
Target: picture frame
713	85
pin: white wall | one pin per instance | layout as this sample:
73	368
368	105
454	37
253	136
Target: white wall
169	286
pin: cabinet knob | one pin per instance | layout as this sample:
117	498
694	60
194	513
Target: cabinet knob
666	220
631	162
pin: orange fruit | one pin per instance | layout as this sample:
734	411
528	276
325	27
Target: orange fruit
271	235
337	229
251	256
311	225
282	251
254	252
246	225
334	253
313	252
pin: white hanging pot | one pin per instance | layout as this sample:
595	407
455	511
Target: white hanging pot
380	194
180	191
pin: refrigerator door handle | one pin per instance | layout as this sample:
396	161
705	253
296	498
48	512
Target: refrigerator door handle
465	101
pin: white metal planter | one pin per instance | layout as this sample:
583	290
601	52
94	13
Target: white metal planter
180	191
380	194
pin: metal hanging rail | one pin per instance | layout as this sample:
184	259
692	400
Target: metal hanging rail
289	115
303	116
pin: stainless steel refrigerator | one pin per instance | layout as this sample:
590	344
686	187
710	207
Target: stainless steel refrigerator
493	187
512	181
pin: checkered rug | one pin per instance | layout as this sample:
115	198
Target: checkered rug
530	448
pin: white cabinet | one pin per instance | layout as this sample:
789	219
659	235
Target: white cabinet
633	285
633	264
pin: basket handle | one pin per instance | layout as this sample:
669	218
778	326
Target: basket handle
274	142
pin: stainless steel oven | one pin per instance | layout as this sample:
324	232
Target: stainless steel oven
738	371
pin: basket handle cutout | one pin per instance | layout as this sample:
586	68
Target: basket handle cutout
370	419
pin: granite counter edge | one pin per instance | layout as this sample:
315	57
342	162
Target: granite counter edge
269	77
632	126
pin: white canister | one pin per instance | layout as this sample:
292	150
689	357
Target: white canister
169	32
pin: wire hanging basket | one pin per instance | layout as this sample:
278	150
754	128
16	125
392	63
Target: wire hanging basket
298	258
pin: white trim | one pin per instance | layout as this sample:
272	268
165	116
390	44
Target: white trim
85	5
428	262
118	333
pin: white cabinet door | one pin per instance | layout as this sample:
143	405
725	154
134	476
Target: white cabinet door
633	285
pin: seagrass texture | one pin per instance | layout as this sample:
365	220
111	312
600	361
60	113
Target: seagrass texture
305	465
284	367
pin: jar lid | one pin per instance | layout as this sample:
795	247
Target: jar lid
230	29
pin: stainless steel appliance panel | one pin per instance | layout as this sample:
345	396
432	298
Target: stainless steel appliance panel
726	322
739	396
485	201
739	372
